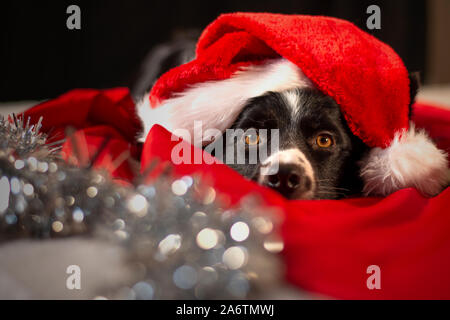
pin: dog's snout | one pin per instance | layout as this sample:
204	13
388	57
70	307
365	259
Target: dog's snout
289	173
290	180
287	176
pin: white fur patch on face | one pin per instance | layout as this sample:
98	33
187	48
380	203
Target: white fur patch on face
292	101
218	103
412	160
293	157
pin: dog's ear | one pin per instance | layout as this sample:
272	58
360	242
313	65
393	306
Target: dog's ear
414	85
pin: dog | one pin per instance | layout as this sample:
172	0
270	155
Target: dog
318	157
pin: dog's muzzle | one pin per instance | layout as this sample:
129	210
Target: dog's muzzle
289	173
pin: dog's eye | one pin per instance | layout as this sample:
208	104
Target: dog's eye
324	140
252	139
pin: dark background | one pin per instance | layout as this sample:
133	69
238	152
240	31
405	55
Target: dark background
40	58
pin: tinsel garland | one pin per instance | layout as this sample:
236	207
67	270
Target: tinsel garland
176	229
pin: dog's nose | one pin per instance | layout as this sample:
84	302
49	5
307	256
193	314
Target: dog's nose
290	181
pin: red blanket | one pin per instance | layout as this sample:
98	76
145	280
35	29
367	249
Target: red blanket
328	244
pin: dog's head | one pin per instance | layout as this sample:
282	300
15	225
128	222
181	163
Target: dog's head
309	151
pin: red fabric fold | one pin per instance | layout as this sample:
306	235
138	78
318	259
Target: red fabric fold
95	116
328	244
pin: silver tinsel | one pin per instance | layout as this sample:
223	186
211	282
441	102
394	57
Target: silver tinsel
183	243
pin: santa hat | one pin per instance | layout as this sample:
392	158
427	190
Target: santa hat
244	55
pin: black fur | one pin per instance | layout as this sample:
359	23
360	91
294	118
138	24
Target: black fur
161	58
414	85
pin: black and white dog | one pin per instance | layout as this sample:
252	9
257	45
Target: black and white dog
317	156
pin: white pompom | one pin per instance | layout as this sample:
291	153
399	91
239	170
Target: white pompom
412	160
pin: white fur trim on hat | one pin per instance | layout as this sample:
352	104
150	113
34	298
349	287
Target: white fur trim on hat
411	160
218	103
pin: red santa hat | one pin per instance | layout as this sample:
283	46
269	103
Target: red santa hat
244	55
